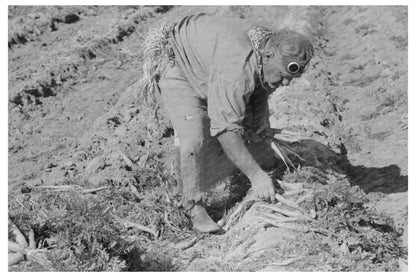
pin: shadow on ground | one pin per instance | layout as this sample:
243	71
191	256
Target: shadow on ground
370	179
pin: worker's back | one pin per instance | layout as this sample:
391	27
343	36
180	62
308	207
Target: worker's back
206	45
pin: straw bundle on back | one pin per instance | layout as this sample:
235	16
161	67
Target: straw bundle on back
157	54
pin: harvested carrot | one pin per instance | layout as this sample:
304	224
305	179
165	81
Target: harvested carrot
304	198
291	204
290	186
234	216
140	227
312	213
287	202
187	244
126	159
280	218
284	212
293	192
290	226
32	244
221	222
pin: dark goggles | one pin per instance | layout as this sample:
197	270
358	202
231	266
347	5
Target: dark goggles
293	67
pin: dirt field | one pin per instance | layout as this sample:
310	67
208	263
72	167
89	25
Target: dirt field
75	123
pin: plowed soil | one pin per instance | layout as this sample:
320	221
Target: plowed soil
74	116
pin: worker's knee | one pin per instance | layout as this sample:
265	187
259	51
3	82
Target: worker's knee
191	147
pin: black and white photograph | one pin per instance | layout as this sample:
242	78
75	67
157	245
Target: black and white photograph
207	138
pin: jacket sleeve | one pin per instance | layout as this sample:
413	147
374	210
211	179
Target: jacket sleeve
227	102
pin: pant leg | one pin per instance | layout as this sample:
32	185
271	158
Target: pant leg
190	121
177	169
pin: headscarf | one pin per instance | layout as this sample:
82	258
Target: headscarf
258	38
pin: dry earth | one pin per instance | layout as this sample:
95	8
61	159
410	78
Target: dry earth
74	117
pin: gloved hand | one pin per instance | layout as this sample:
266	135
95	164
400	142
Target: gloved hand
262	186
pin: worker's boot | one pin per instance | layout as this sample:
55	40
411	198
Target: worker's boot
202	221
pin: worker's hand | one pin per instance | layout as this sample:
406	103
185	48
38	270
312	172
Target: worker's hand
262	186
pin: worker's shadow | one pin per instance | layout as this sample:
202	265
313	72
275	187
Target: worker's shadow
314	154
370	179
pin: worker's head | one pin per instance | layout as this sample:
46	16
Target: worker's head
285	57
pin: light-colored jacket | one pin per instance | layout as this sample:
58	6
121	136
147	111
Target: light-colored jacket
216	56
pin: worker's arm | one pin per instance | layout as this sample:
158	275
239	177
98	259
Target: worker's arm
238	153
227	100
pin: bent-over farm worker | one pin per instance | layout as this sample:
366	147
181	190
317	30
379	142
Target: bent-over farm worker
220	70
